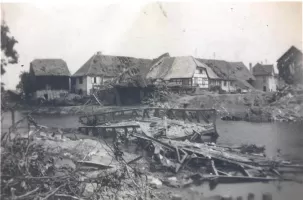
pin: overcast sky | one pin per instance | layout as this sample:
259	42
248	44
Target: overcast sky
245	32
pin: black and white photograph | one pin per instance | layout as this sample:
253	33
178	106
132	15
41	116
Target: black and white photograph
151	100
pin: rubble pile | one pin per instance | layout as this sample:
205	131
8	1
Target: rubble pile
44	165
176	147
288	105
130	158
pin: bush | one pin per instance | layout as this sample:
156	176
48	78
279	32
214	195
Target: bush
215	88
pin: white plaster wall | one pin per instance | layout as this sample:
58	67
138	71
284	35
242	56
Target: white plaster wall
270	83
82	86
99	81
229	87
200	78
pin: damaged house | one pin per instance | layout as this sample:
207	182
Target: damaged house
290	66
51	78
265	77
183	71
100	70
233	76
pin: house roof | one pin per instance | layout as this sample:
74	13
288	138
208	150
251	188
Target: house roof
291	49
228	70
211	74
243	84
160	69
177	67
109	66
263	70
182	67
49	67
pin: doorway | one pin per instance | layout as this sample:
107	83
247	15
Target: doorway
264	88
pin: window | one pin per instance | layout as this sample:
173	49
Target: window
80	80
225	82
94	79
196	82
201	71
204	81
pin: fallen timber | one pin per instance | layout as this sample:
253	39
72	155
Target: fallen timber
193	115
222	164
242	166
199	116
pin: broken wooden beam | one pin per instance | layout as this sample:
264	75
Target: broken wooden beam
212	163
94	164
113	126
223	173
237	179
244	171
135	160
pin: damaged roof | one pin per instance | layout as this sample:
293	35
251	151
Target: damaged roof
211	74
49	67
177	67
228	70
243	84
292	49
109	66
263	70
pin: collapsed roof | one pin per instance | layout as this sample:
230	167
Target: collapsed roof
109	66
49	67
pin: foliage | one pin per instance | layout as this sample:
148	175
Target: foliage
7	48
291	69
217	88
26	84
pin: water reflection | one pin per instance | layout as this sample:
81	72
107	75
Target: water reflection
288	137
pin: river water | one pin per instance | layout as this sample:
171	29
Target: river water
288	137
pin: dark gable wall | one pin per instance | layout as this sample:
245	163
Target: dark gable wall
55	82
292	57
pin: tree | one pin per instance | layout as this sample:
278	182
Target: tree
9	54
26	84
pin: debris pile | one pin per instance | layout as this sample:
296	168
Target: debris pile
132	154
172	146
43	165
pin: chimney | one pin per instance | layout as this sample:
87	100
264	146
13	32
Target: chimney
250	67
99	53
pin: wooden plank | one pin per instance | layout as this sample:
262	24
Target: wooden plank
214	167
134	160
97	100
276	172
222	173
182	163
237	179
94	164
184	109
185	116
145	114
237	163
154	140
112	126
244	171
197	116
135	113
204	118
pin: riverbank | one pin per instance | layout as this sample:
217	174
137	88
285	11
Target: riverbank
257	106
